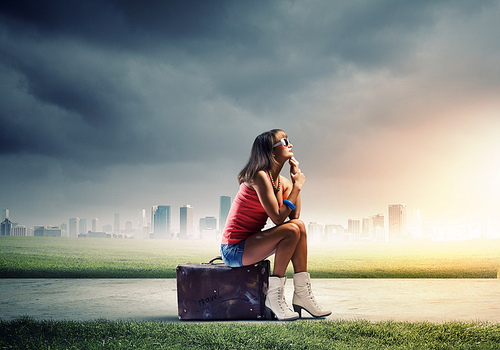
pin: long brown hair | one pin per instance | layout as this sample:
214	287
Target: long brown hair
261	155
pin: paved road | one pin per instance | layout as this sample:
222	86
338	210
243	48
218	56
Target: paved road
435	300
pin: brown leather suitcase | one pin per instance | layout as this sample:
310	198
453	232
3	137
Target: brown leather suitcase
213	291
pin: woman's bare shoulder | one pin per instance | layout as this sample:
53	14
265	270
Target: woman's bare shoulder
258	180
260	176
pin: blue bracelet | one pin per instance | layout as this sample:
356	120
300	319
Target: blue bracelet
289	204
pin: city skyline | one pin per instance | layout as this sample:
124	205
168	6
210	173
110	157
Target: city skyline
392	225
114	106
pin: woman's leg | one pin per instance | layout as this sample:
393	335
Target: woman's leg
303	297
299	258
281	240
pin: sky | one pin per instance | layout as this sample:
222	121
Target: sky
111	106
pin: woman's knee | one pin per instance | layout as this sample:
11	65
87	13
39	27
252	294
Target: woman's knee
301	226
293	231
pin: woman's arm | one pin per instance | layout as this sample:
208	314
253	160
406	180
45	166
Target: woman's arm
294	169
268	199
287	188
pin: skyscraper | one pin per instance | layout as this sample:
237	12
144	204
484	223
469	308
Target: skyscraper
154	208
6	227
83	226
225	206
116	223
397	222
370	224
5	214
367	228
161	218
378	220
354	228
95	225
186	222
142	222
379	227
73	227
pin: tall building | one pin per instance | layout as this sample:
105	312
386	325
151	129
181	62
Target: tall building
142	222
95	225
378	221
186	222
367	228
5	214
116	223
370	224
161	221
82	226
397	222
6	227
354	228
73	227
225	206
154	208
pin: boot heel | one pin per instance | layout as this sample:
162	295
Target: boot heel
270	315
298	309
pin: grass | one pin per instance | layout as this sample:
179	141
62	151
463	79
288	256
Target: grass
52	257
48	257
116	258
26	333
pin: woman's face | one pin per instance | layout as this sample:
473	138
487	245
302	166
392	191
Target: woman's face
283	148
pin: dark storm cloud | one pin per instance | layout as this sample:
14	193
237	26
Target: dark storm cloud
106	82
127	24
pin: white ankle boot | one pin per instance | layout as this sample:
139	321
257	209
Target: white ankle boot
303	297
275	301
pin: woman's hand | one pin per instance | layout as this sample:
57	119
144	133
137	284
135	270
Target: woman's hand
294	165
298	178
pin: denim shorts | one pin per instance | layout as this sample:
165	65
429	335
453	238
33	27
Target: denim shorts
232	254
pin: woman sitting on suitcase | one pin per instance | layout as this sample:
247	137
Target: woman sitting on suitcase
263	194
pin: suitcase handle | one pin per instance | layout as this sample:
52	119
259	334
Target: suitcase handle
216	258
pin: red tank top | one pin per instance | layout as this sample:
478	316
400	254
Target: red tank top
246	216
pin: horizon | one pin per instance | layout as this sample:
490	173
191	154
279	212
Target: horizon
434	232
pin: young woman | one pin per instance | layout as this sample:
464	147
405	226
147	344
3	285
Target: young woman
264	194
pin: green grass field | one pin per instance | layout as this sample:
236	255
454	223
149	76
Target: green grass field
47	257
117	258
26	333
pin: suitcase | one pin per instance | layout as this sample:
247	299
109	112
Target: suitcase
214	291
